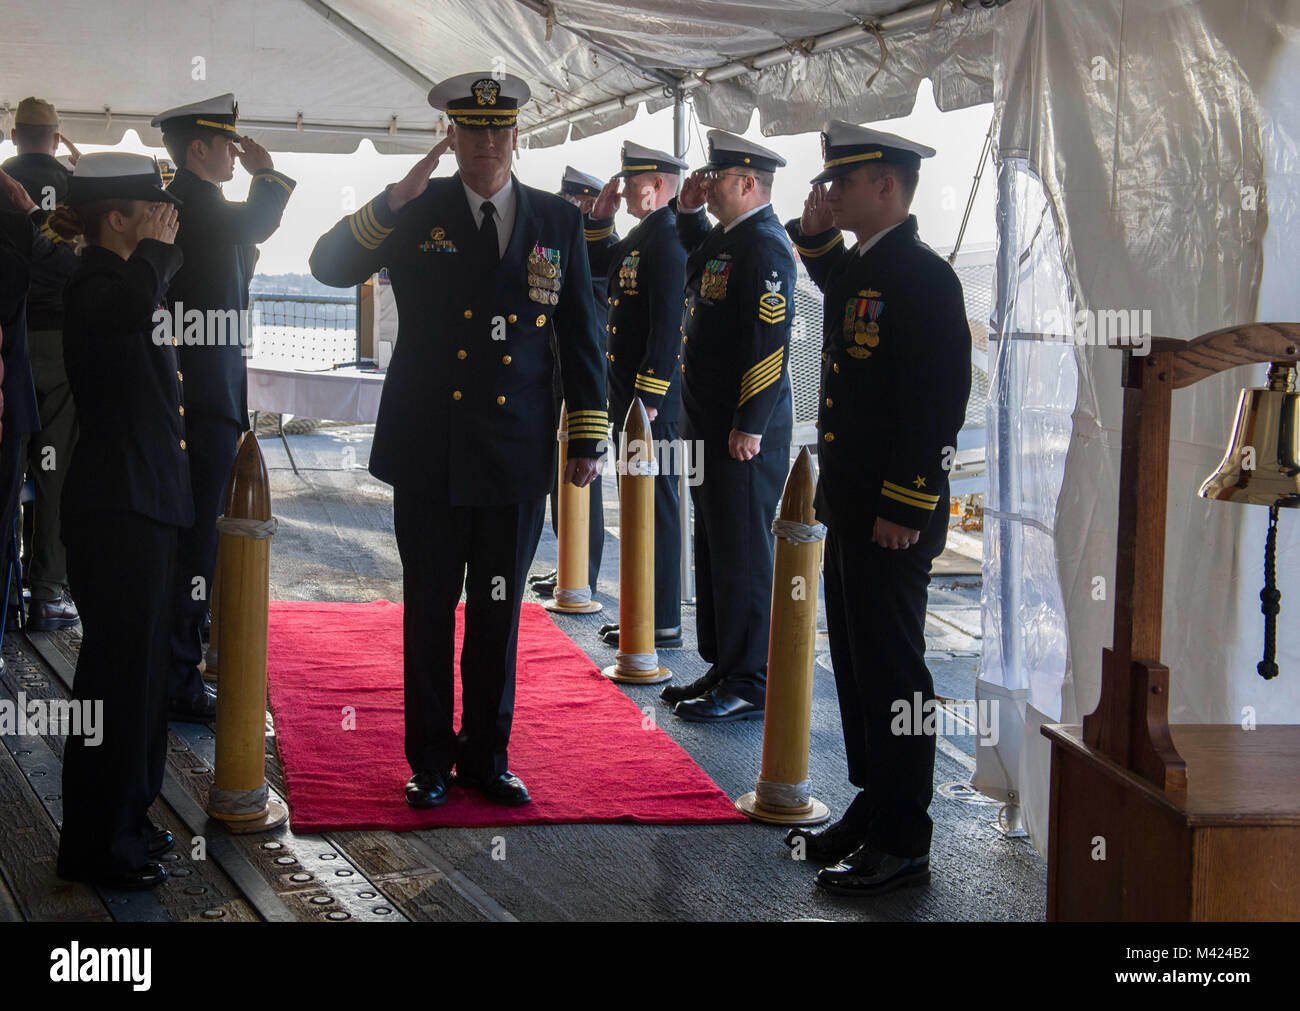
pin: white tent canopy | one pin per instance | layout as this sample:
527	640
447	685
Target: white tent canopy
320	75
1148	160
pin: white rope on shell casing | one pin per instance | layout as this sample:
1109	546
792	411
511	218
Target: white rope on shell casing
642	468
637	661
238	801
783	795
258	530
798	533
580	595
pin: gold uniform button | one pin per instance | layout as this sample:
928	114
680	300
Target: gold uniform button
512	318
182	444
835	367
179	377
506	359
462	354
181	408
455	394
469	313
685	339
613	329
611	357
541	321
609	299
829	436
616	301
830	402
500	401
692	310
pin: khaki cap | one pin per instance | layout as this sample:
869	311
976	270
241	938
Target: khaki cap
35	112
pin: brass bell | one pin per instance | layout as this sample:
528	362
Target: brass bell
1262	464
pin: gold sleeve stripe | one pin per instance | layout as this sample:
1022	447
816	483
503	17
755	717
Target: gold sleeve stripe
760	383
366	230
651	384
921	496
808	253
596	234
774	358
273	178
923	506
593	415
770	316
589	433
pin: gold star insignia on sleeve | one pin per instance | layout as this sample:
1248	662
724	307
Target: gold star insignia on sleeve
919	482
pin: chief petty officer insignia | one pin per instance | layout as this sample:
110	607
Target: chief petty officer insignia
627	272
771	305
713	283
438	242
861	314
544	275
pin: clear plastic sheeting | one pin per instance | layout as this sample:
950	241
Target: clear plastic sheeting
1161	135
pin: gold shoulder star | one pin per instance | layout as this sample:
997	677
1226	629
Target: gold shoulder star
919	482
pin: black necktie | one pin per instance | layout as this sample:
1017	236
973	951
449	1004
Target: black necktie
487	233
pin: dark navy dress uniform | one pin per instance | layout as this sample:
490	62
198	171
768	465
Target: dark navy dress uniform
894	384
217	238
126	499
466	435
739	286
644	278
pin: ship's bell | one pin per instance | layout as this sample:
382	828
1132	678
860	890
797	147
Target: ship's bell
1262	464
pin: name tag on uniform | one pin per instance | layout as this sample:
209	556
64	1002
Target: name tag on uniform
437	242
544	275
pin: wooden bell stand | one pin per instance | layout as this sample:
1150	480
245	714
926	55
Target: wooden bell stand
1199	821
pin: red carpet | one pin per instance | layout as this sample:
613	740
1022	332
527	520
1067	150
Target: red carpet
577	740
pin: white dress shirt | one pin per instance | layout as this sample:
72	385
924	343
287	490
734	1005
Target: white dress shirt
748	214
504	202
864	246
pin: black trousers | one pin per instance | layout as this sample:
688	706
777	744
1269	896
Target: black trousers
668	523
595	528
211	442
486	549
734	551
11	484
120	565
875	616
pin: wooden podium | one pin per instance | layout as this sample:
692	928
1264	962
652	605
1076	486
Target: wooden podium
1148	822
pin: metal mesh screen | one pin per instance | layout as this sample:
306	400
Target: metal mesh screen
309	331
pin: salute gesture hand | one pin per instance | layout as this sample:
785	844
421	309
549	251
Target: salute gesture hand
417	180
160	222
253	156
606	205
817	215
694	194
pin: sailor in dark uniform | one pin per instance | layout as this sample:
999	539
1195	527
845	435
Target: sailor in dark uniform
125	501
644	276
581	190
45	178
736	391
895	379
31	257
481	267
218	240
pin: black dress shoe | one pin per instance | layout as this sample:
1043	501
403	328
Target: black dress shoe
201	707
546	577
869	872
48	615
829	845
505	788
426	789
718	706
680	693
665	638
544	587
160	841
147	875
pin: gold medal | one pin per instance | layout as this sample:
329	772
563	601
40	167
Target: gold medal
553	298
859	352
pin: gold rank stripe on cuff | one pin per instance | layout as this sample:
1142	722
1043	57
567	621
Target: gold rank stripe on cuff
650	384
810	253
908	496
762	375
272	177
588	424
366	230
596	234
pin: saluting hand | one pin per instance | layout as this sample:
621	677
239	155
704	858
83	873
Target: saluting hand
253	156
893	536
694	194
160	222
13	189
817	216
606	205
417	180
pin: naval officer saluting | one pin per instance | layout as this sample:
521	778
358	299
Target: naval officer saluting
895	380
736	391
481	267
217	238
645	274
125	501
